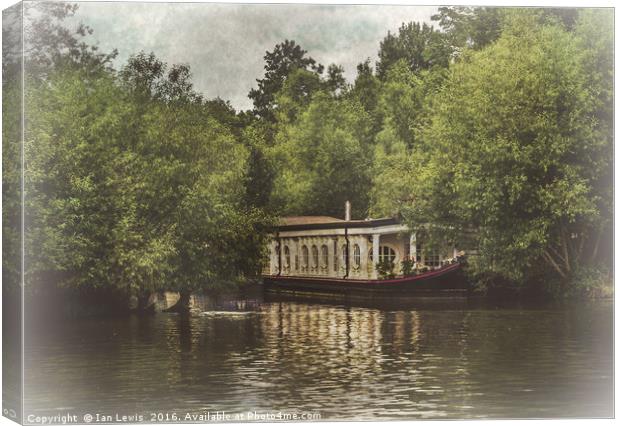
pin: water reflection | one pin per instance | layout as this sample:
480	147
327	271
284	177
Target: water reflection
345	361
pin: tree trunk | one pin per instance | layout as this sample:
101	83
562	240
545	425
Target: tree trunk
563	239
596	245
553	263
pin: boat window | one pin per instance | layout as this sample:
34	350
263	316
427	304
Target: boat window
431	258
386	253
427	257
304	257
357	259
315	257
287	257
324	256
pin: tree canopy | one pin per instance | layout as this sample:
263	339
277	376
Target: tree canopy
494	132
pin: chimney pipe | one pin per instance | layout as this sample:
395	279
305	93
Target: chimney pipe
347	211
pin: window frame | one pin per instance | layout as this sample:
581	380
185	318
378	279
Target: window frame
324	257
305	257
315	256
357	256
387	253
287	257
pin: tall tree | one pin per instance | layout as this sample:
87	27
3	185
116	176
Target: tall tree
420	46
135	186
403	105
335	81
470	27
279	63
517	154
366	90
323	159
49	43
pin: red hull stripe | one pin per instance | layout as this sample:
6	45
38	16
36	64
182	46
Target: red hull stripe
420	277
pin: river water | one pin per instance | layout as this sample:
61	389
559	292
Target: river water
355	360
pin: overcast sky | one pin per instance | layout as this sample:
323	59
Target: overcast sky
225	43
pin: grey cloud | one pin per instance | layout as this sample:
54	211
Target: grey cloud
225	43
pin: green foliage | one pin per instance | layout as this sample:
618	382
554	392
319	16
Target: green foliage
132	184
296	94
515	150
470	27
494	134
407	267
385	269
420	46
322	159
335	81
589	282
285	58
261	172
50	43
366	90
403	104
11	179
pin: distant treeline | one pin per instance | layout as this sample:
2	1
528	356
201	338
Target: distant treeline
493	130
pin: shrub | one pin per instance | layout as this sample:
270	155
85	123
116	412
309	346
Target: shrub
407	266
385	269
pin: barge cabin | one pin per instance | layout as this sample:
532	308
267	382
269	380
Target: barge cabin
327	253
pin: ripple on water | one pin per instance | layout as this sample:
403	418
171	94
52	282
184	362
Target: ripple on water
343	362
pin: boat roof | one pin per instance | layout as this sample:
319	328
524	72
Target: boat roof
306	220
298	223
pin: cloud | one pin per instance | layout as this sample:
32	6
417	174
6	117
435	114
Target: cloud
225	43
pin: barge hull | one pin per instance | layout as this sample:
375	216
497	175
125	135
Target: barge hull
447	279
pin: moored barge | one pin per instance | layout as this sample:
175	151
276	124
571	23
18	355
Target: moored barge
323	253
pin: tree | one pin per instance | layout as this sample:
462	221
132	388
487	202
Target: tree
261	172
403	106
285	58
335	81
134	186
516	149
45	45
49	44
420	46
366	90
323	159
470	27
296	94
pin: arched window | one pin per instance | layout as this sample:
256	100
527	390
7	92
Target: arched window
304	257
386	253
357	258
315	257
287	257
324	257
